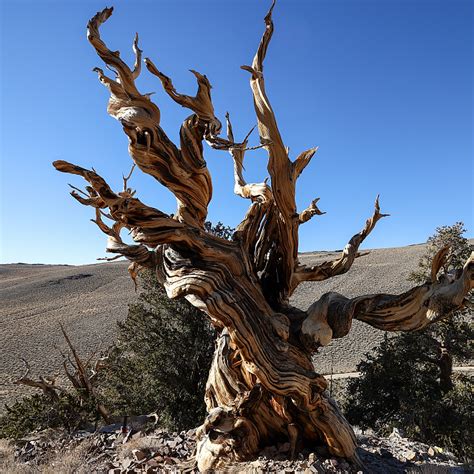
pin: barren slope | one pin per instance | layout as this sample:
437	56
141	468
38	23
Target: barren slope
89	300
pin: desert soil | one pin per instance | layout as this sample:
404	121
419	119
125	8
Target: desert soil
89	300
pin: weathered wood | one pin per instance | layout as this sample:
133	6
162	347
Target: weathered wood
262	386
82	377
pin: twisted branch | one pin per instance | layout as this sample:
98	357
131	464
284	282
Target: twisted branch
332	268
331	316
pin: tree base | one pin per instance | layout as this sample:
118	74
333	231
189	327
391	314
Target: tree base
244	418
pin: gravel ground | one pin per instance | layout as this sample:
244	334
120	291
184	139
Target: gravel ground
158	451
89	299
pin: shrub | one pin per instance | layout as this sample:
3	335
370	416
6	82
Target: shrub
161	360
408	383
38	412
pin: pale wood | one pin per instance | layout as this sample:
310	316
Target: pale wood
262	386
81	374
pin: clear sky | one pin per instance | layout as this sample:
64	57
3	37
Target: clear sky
384	87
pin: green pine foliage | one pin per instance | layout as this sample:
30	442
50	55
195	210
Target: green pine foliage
39	412
161	360
402	383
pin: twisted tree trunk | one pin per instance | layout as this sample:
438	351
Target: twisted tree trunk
262	386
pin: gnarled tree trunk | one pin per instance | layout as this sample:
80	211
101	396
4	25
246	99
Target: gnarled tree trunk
262	386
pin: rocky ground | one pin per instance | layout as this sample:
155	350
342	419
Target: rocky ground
115	451
90	299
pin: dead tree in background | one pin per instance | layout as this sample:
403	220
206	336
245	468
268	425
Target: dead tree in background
81	373
262	386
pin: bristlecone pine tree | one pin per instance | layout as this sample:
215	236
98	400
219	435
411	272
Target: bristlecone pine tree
262	386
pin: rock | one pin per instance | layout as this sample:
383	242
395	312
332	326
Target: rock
410	455
317	467
152	463
396	433
139	455
126	463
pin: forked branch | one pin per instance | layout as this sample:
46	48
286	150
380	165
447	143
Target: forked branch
310	211
83	376
147	225
47	385
332	268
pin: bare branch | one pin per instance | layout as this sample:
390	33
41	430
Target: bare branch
182	171
284	254
302	161
267	126
138	58
46	384
332	268
126	189
111	58
201	104
256	191
439	260
310	211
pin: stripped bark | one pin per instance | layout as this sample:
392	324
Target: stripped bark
262	387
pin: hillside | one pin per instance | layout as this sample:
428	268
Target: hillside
89	299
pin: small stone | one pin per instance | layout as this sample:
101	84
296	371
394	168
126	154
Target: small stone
431	452
396	433
317	467
126	463
411	455
139	455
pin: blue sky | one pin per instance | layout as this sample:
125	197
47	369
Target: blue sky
384	88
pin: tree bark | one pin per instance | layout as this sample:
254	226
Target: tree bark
262	387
